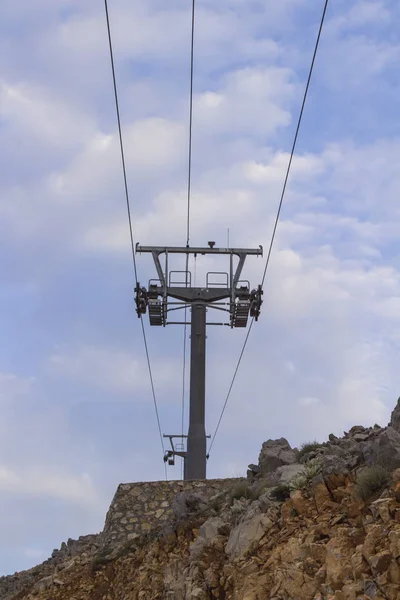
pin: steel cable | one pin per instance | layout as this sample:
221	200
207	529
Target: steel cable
277	215
130	225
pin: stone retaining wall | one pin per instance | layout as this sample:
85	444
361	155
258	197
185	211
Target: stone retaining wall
139	507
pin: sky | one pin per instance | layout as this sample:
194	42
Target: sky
77	415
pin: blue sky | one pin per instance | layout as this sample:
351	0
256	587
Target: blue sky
77	416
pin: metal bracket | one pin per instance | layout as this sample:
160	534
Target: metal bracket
169	455
241	302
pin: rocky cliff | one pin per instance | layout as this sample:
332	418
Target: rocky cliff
318	523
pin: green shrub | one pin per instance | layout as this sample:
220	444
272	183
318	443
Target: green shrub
308	447
310	470
103	558
371	481
128	548
238	506
240	490
243	489
258	490
298	482
280	492
217	502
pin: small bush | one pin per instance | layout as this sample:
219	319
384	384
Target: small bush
238	506
372	480
308	447
101	559
217	503
243	489
280	492
128	548
240	490
258	490
298	482
312	468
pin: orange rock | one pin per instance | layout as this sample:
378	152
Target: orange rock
286	510
337	480
374	534
318	552
381	562
316	533
322	497
396	490
358	563
394	572
300	504
338	559
354	506
352	590
394	545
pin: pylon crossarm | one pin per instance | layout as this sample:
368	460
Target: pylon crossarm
156	258
157	250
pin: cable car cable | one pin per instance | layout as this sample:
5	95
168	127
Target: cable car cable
278	214
130	225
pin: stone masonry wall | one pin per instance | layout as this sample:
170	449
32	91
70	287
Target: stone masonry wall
139	507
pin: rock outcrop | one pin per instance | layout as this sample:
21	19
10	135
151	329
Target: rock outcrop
274	454
395	417
321	543
322	523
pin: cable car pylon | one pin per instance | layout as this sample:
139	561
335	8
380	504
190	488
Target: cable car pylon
169	293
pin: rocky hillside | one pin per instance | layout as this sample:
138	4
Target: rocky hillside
318	523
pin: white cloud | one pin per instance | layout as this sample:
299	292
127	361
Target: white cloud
361	13
111	369
13	386
105	368
250	100
38	481
36	554
308	401
37	116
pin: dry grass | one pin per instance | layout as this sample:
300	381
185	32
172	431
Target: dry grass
308	447
371	481
280	492
243	489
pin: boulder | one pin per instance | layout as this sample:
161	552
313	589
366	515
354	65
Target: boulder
357	429
207	533
211	528
284	474
333	464
43	584
255	468
340	457
185	504
395	417
246	534
384	449
253	471
265	502
274	454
